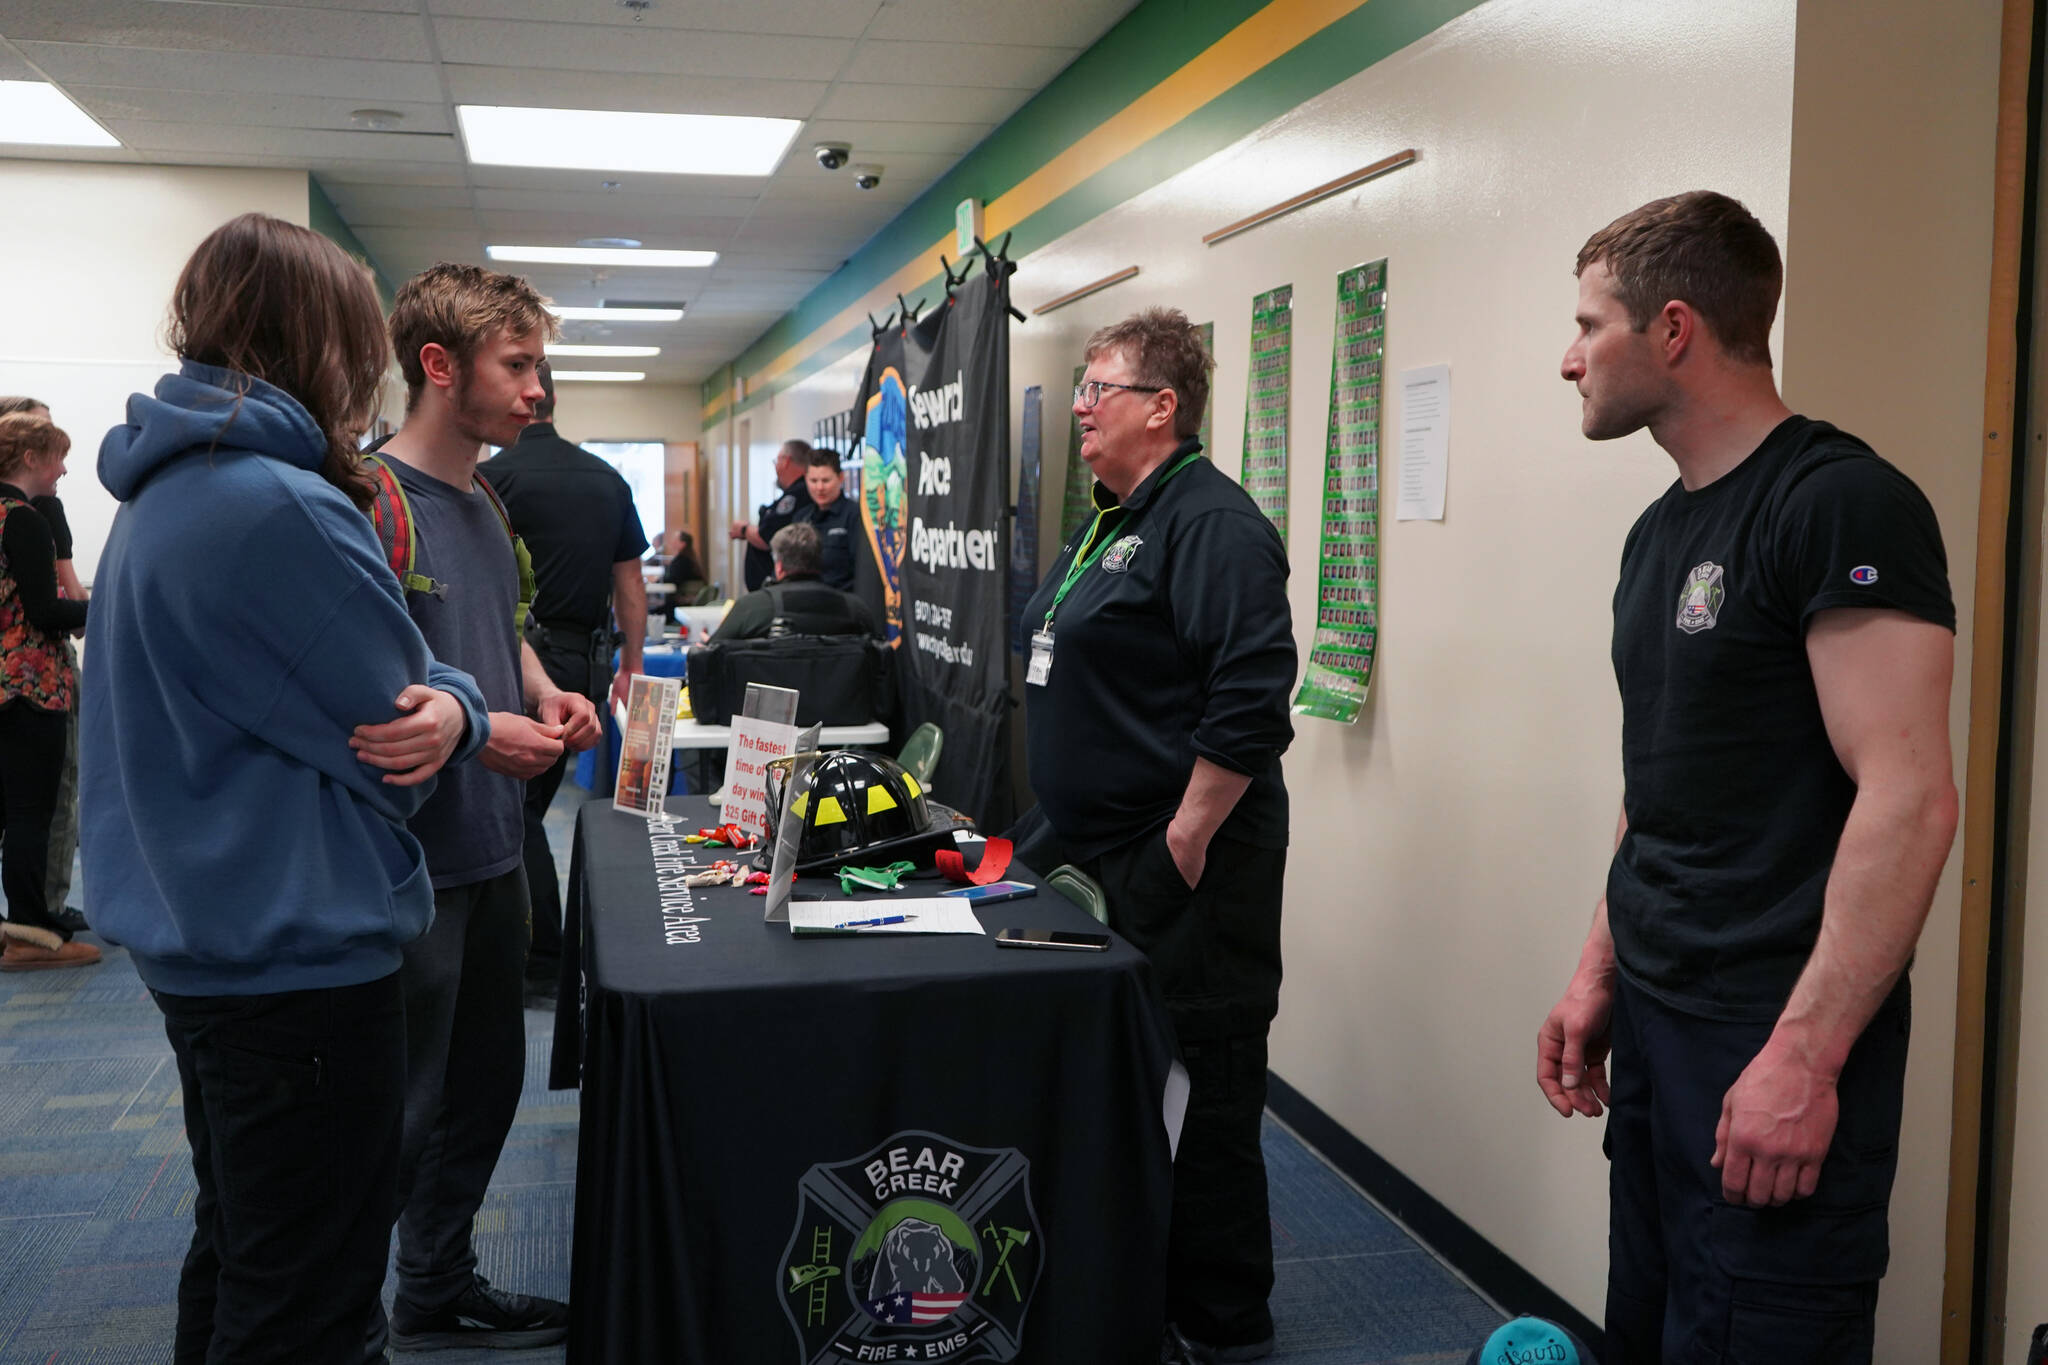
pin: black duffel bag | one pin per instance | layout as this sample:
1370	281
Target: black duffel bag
839	679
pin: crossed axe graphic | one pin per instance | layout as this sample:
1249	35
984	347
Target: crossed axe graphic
1011	1239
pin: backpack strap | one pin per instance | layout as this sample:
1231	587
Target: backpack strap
391	515
520	555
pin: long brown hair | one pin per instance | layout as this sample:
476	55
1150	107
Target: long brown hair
277	301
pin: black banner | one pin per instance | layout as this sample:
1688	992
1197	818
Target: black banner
934	417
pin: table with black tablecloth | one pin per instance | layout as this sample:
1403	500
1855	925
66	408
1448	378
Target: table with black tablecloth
851	1148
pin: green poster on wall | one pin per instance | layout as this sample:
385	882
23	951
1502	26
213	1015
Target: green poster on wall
1347	565
1074	504
1267	390
1208	331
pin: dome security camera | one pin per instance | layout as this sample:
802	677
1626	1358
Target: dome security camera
832	155
867	177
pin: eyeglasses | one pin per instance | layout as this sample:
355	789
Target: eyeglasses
1088	394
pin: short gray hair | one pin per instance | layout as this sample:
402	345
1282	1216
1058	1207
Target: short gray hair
797	548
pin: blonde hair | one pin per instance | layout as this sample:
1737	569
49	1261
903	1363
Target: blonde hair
461	308
23	437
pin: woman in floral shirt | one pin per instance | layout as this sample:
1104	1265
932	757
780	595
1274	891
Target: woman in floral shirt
36	683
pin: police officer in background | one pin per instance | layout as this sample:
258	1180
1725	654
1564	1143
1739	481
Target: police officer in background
577	518
1162	654
790	463
836	517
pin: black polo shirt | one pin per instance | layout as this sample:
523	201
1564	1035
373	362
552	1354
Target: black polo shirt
1735	798
577	518
773	516
1176	644
838	527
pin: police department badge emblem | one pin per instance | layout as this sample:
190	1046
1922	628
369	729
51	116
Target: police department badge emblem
1118	557
923	1249
1699	606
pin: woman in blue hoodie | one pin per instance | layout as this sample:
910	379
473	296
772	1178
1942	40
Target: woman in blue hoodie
260	718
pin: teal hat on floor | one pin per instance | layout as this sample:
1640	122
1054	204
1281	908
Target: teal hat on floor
1532	1341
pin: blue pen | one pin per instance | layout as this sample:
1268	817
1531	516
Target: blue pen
871	923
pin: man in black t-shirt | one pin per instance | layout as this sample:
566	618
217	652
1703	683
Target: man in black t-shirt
577	518
1783	641
836	517
790	463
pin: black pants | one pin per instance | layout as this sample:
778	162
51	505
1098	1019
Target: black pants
465	1064
31	769
572	673
1217	951
293	1106
1694	1280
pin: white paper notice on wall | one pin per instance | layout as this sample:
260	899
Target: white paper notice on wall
1425	442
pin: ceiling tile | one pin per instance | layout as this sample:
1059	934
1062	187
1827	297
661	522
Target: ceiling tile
711	234
338	174
909	103
328	33
879	138
270	111
815	18
251	73
986	64
676	189
551	89
290	142
585	47
1076	23
13	68
361	199
585	203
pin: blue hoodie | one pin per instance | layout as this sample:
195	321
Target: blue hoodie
244	621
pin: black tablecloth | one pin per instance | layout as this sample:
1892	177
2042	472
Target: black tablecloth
851	1149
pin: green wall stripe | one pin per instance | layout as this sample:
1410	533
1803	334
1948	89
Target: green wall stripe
325	219
1367	35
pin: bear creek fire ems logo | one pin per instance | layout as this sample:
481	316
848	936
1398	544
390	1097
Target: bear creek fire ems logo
1118	557
923	1249
1699	605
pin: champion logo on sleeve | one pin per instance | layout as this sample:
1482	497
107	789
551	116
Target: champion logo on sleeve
1863	575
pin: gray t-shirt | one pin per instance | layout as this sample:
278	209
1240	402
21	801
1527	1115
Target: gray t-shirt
472	826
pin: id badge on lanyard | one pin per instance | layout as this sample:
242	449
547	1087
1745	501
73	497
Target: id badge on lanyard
1040	667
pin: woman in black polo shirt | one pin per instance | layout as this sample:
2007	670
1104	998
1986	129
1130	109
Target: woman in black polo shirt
1162	653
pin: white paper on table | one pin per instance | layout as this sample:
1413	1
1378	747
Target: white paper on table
753	743
1425	442
929	915
641	783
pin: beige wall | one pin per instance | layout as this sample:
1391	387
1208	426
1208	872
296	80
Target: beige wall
1894	125
88	256
628	412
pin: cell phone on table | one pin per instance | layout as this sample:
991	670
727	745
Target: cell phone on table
1059	939
993	892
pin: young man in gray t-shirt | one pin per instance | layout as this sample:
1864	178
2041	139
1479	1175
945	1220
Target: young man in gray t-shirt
469	341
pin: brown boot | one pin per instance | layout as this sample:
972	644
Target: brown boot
39	950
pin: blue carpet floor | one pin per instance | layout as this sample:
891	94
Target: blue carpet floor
96	1199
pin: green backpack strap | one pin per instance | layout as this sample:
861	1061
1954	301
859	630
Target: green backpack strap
391	515
520	555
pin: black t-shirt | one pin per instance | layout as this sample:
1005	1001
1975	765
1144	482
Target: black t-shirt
577	518
837	525
773	516
1735	798
1176	643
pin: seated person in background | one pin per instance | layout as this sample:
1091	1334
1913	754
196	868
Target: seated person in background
685	573
797	602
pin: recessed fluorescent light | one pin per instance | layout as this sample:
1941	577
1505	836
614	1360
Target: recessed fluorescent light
38	113
571	314
602	376
605	140
601	352
602	255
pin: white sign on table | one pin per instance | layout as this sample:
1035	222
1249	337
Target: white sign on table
1425	442
764	731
